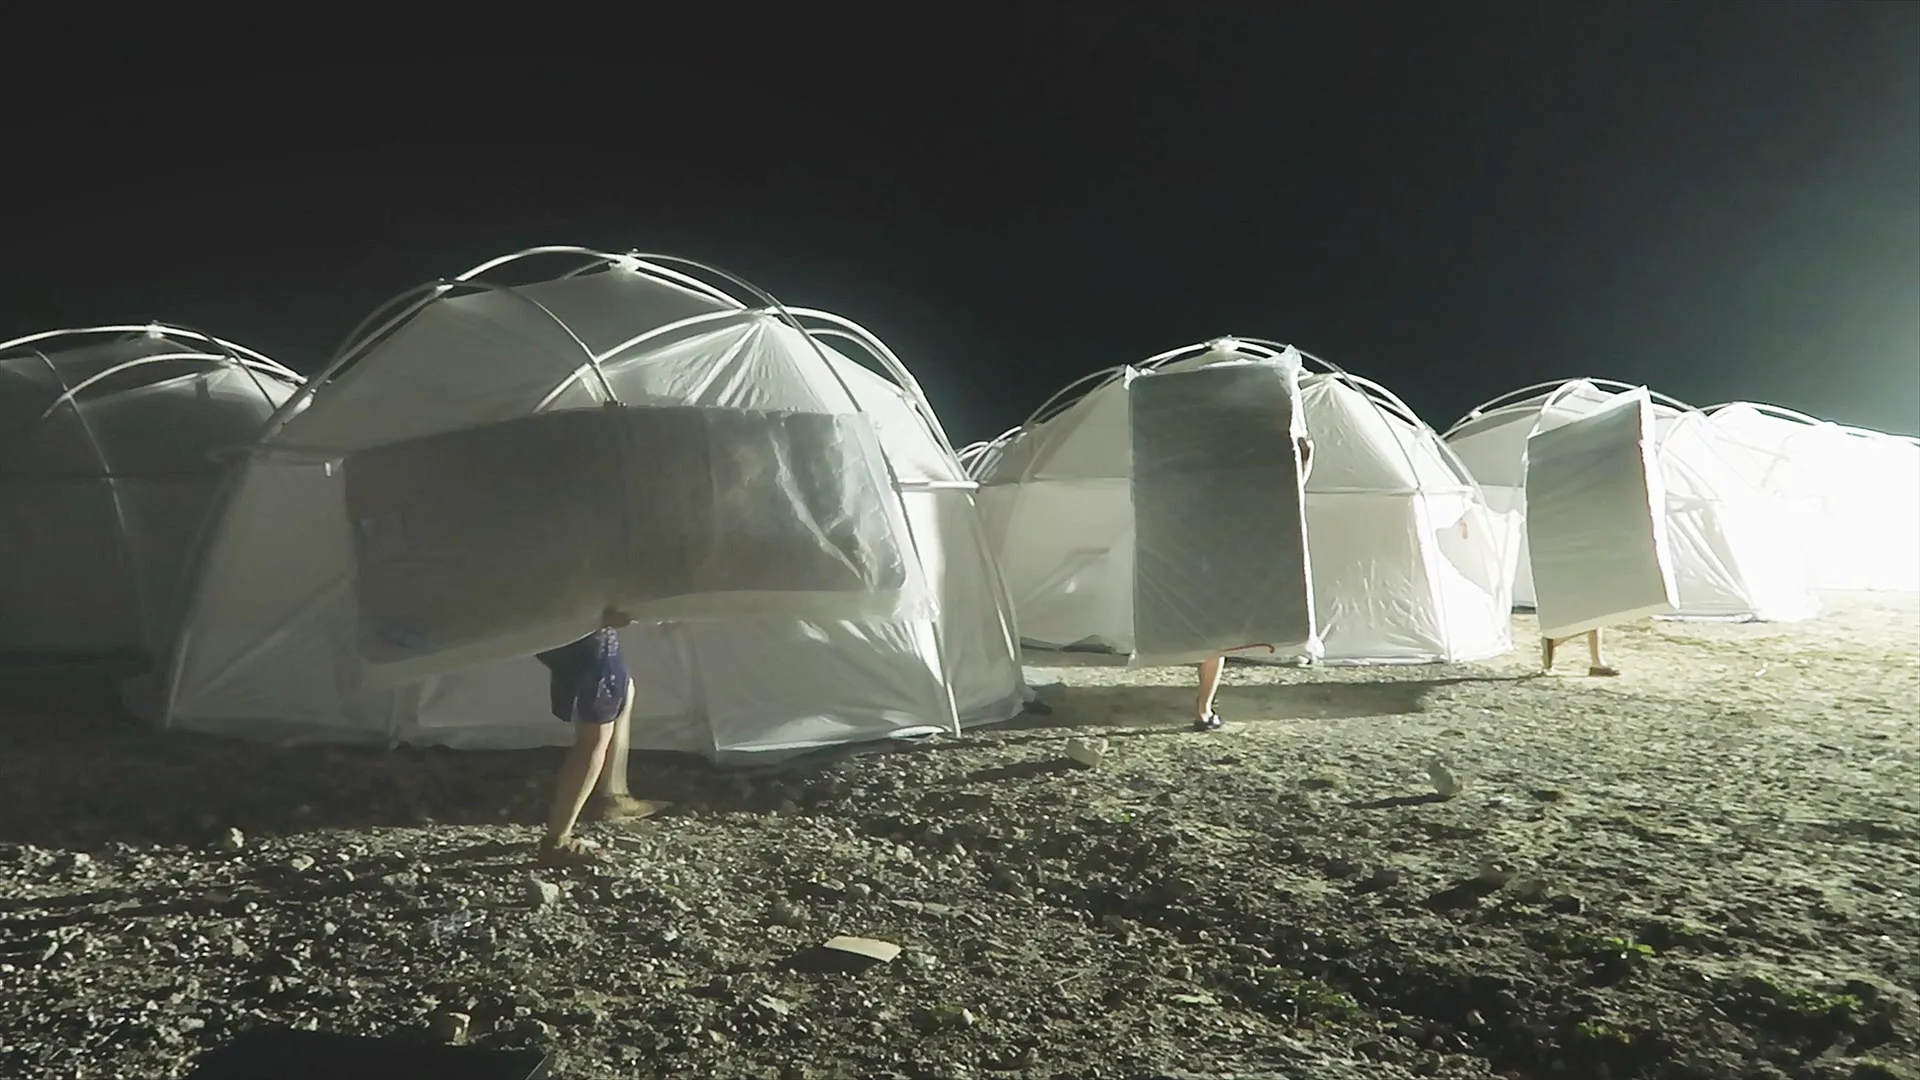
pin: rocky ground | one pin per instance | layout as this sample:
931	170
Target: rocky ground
1709	867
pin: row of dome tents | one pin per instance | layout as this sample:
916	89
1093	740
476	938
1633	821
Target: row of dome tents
263	642
1418	550
172	494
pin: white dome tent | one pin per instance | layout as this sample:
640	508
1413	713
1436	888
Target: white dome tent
1408	564
1857	492
108	444
270	650
1737	549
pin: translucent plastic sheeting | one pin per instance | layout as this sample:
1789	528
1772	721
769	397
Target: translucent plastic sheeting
499	540
1596	522
1220	560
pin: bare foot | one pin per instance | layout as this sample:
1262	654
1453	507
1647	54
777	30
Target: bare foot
623	808
565	852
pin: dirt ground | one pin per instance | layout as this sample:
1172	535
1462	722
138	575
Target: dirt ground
1708	867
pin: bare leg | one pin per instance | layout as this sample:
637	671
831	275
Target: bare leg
613	775
584	761
1599	664
613	800
1209	686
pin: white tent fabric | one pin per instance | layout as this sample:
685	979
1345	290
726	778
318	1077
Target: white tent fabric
1737	549
271	653
1855	493
1409	564
108	444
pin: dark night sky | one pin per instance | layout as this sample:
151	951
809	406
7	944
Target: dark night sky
1720	199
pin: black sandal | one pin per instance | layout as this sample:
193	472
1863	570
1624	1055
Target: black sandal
1209	722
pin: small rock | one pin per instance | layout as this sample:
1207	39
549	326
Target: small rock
233	840
450	1027
300	864
1342	868
947	1016
542	893
1495	873
1384	877
787	913
1566	904
1445	781
1529	890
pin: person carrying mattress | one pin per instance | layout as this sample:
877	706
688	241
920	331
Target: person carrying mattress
1205	718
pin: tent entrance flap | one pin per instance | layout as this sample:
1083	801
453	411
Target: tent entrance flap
1220	560
1596	519
495	541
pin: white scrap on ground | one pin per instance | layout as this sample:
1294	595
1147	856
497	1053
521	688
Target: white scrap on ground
1087	752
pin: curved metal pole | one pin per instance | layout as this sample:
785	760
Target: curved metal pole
1525	393
156	329
356	343
233	355
74	391
976	460
636	340
632	262
1064	397
135	579
847	329
428	294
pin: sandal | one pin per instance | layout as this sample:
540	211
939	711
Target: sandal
1209	722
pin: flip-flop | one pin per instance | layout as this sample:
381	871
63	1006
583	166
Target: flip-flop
1602	671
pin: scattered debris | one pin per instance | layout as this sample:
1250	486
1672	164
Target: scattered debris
1087	753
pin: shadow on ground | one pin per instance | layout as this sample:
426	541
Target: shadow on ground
80	771
1169	709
